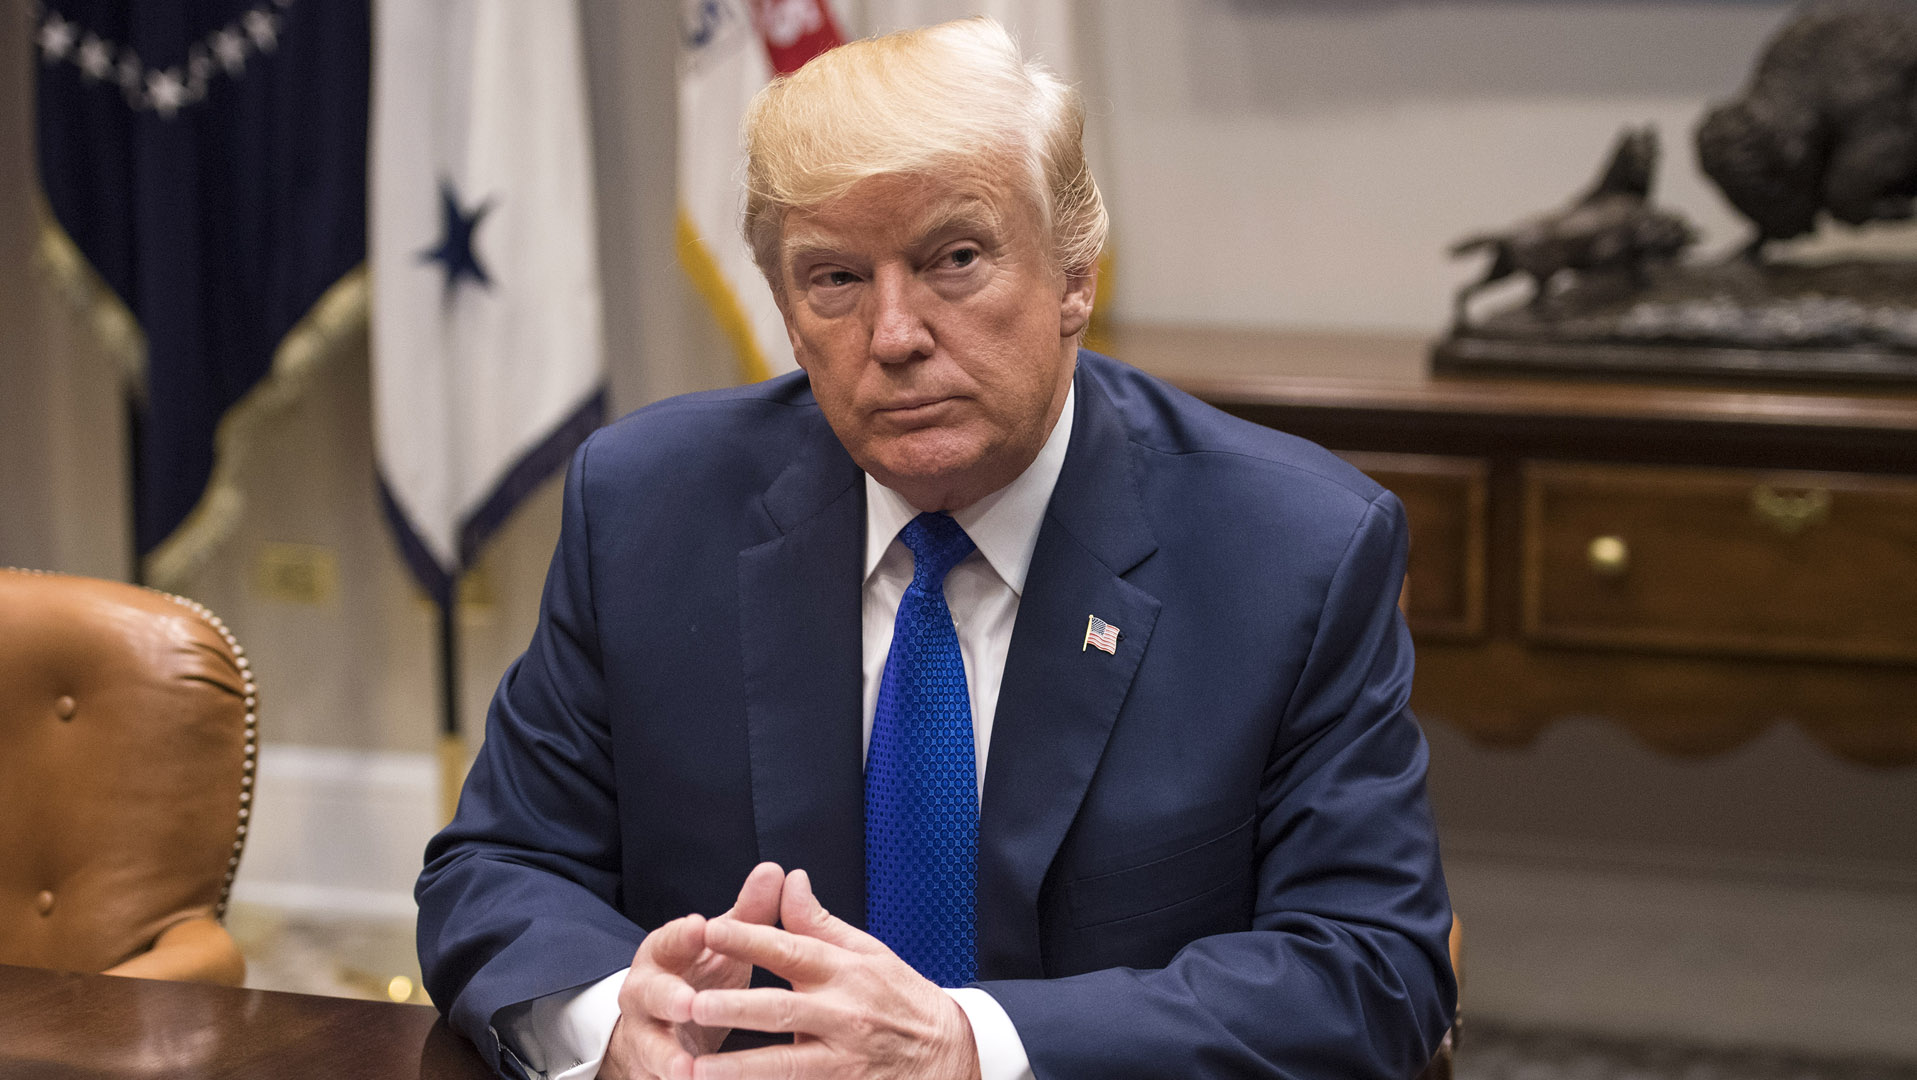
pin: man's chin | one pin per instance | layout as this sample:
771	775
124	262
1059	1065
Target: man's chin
942	476
923	455
927	475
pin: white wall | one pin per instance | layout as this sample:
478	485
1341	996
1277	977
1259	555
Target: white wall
1288	164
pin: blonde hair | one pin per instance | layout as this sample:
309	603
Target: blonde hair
911	103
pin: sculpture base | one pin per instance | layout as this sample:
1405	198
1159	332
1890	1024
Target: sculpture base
1847	322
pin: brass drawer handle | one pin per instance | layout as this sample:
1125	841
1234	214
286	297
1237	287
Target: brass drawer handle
1609	556
1790	512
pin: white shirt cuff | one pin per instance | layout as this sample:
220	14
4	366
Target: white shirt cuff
1001	1053
564	1036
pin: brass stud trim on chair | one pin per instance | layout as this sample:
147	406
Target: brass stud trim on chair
252	742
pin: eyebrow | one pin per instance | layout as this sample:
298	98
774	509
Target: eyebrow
967	213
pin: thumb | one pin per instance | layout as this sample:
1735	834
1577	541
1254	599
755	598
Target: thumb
801	913
759	897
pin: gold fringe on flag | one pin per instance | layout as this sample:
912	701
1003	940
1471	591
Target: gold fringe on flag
697	261
1098	333
113	326
339	314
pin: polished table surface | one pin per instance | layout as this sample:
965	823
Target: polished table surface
58	1025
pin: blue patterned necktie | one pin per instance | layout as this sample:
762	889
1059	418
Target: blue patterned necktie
921	786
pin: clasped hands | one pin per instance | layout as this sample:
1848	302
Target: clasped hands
855	1009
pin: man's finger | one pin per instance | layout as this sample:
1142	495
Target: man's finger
662	995
675	945
797	959
653	1049
666	1059
765	1009
759	897
784	1062
801	913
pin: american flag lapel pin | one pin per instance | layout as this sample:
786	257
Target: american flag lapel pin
1101	634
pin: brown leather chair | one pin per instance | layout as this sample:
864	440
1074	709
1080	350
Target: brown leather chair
1442	1064
127	749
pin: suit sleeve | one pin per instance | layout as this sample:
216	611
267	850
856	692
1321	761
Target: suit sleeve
518	897
1343	972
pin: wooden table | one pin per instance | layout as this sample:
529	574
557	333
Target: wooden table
1693	562
64	1026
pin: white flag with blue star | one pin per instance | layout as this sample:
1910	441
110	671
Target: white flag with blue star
487	359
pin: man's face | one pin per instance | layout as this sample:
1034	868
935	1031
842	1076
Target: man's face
939	338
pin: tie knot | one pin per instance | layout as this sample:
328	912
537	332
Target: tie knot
937	543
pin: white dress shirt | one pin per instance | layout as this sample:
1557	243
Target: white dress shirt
564	1035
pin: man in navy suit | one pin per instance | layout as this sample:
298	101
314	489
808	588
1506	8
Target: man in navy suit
1198	844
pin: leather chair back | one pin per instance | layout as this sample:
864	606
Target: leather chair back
127	750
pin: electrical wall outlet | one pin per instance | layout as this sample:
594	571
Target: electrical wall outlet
304	574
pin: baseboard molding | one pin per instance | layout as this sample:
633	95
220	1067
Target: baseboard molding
338	832
1719	959
1677	862
321	903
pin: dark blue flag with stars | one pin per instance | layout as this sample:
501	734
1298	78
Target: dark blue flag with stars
208	160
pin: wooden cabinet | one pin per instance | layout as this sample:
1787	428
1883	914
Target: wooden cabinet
1445	499
1691	562
1730	562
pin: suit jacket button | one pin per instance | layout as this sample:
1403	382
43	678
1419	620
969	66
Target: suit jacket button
44	902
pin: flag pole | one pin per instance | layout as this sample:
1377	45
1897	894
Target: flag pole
452	749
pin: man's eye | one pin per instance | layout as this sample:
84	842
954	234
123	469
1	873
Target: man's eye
835	278
962	257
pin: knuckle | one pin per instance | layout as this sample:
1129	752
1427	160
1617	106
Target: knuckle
790	950
863	1023
636	992
657	998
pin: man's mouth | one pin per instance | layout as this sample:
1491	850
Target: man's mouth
913	408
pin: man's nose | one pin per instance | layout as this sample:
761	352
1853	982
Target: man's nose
899	332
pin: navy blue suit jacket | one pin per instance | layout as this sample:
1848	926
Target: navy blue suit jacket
1207	855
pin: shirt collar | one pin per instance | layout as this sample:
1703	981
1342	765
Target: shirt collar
1003	524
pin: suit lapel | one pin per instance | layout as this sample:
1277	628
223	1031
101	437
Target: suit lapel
1059	700
799	628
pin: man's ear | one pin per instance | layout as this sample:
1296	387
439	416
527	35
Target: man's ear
1075	307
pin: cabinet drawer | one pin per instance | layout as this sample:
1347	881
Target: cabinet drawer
1809	565
1444	503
